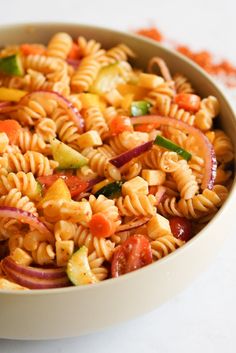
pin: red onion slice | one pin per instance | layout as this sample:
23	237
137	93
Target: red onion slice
24	217
135	223
62	102
206	147
34	272
29	281
126	157
160	193
73	62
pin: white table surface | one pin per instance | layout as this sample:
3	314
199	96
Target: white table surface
202	318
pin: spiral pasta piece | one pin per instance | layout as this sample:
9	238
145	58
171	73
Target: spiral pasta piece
127	140
196	164
44	254
84	76
33	110
207	202
14	198
182	84
163	90
94	120
42	63
164	106
105	206
23	182
32	142
136	205
157	159
65	128
121	52
9	227
60	45
31	161
185	180
165	245
95	264
90	47
99	161
223	147
104	248
12	82
131	170
170	207
46	128
209	109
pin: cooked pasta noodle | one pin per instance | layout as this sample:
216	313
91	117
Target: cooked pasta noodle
87	187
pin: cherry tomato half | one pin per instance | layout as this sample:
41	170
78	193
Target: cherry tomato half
187	101
133	254
181	228
75	184
120	124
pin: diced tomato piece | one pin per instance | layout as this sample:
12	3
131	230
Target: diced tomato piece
11	128
74	52
181	228
32	49
187	101
120	124
75	184
144	127
153	189
133	254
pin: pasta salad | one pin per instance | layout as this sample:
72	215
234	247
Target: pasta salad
104	167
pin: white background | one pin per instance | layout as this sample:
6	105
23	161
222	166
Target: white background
202	318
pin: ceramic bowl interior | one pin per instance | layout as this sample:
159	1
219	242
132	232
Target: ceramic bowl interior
79	310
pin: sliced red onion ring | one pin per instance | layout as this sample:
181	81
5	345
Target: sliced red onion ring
206	147
73	62
135	223
28	277
24	217
126	157
34	272
62	102
160	193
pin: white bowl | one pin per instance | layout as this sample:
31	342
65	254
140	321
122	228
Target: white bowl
74	311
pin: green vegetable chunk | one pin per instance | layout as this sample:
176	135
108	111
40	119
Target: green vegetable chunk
11	65
109	77
169	145
78	269
67	157
110	190
140	108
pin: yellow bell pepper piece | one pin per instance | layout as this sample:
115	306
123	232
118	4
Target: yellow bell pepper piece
100	185
57	191
91	100
11	94
138	92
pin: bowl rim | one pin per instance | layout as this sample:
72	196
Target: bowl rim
185	247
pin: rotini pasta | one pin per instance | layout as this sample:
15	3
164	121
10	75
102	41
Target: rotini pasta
94	162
